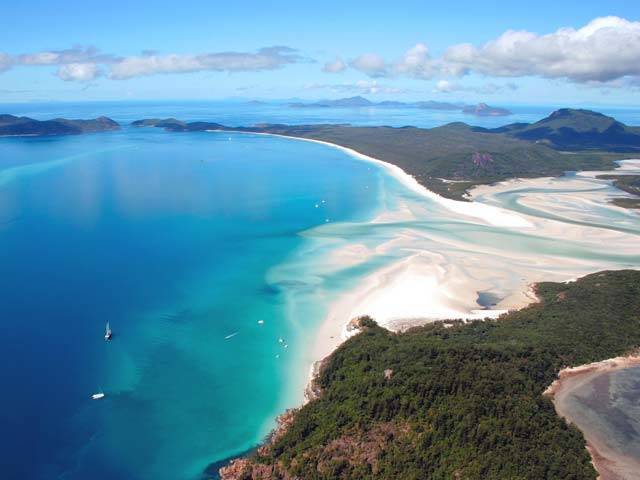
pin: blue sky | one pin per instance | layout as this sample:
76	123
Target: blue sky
498	52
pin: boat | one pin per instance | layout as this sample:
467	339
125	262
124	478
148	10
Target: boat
97	396
108	334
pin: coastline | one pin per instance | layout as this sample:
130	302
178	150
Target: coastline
610	465
402	280
447	304
474	210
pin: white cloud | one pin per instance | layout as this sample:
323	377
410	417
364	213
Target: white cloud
447	86
64	57
417	63
83	64
605	49
79	72
265	59
371	64
361	87
336	66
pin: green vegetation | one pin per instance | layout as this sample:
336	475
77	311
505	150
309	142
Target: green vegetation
458	152
463	401
571	129
628	183
12	125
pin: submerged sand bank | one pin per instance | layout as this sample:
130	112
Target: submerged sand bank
608	460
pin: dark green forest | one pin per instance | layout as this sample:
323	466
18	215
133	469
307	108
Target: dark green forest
459	401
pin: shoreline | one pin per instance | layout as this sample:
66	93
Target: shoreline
471	209
401	275
609	464
452	306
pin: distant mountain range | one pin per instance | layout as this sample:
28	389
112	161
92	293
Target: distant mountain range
12	125
481	109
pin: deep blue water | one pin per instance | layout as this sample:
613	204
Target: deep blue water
170	238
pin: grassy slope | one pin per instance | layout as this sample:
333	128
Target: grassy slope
463	402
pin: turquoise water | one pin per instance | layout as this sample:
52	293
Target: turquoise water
171	238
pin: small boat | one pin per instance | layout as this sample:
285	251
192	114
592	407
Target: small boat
108	334
260	322
97	396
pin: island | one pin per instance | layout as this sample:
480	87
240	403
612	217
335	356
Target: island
455	400
11	125
484	110
451	159
360	102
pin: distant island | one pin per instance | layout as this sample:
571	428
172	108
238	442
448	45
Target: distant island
12	125
452	400
484	110
452	158
481	109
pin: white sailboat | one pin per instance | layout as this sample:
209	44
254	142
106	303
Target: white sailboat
98	396
108	334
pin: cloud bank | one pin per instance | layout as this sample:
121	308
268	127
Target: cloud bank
604	50
86	64
269	58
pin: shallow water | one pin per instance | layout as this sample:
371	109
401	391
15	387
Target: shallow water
610	406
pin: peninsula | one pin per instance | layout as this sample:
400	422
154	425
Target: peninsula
11	125
455	400
451	159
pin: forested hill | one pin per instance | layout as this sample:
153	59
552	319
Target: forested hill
457	402
572	129
12	125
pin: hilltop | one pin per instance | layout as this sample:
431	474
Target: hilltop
12	125
571	129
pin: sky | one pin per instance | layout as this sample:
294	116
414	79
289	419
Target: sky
545	52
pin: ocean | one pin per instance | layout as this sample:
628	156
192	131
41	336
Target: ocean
212	256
